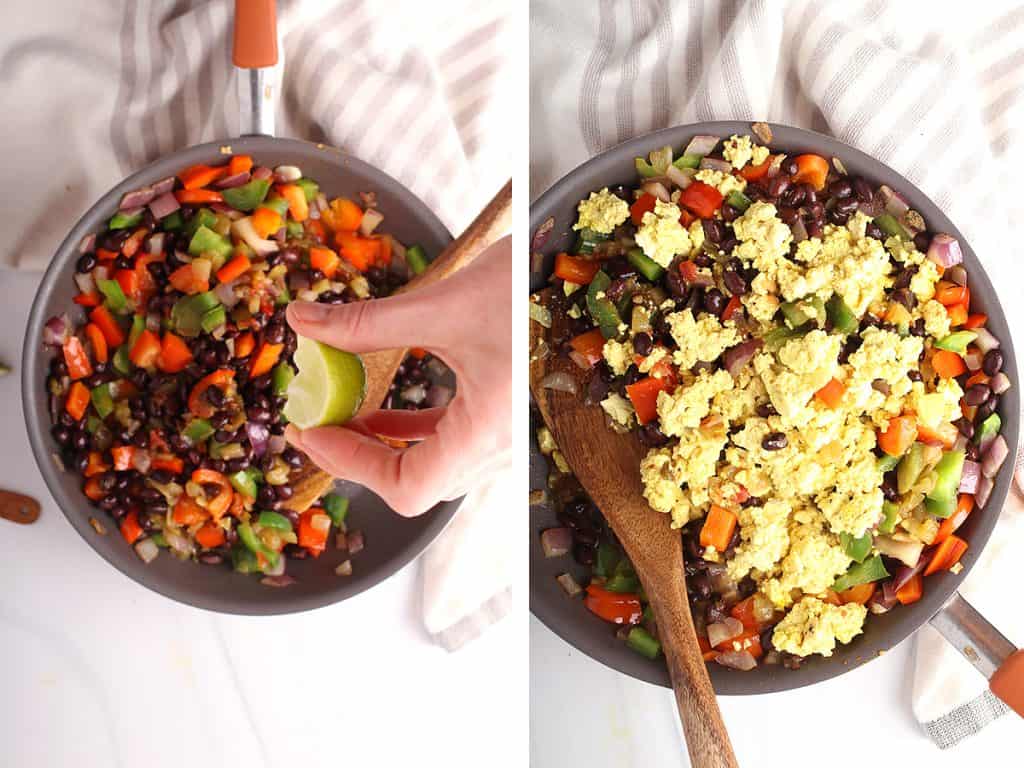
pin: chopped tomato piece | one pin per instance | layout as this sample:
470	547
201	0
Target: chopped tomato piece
752	172
210	536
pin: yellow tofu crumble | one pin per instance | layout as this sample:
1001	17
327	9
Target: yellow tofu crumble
602	212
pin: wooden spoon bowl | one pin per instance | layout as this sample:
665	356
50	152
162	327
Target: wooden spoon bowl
607	465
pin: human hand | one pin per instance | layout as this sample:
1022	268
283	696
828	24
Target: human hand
465	320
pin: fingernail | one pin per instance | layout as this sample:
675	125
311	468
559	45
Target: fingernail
311	312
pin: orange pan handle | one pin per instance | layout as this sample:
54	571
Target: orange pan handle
255	55
255	41
986	648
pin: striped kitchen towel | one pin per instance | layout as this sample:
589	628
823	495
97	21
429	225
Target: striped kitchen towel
933	90
94	91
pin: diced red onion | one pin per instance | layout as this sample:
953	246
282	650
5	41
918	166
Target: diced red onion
321	202
970	476
741	660
179	543
155	243
132	211
355	542
726	629
277	569
884	599
136	199
85	282
960	443
101	273
163	206
776	166
995	456
701	145
799	231
894	204
56	330
141	460
416	393
906	573
262	172
561	381
371	219
226	293
973	358
344	568
164	186
244	229
985	340
153	322
714	164
907	552
281	235
657	189
945	251
956	275
556	542
569	584
277	581
438	396
88	243
541	235
235	180
258	435
999	383
985	486
681	177
736	357
581	362
276	444
147	550
287	173
872	208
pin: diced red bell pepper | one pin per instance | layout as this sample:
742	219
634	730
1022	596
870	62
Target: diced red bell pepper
575	269
174	354
146	350
108	325
130	528
702	199
640	206
590	345
77	400
644	396
123	455
77	361
314	527
616	607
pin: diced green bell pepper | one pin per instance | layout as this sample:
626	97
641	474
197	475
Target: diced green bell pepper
121	362
101	400
647	266
871	569
281	377
120	221
624	578
277	204
956	342
601	308
92	423
116	301
294	228
776	337
890	226
172	222
309	187
276	520
606	559
187	313
283	297
138	326
244	481
643	642
941	501
989	428
243	560
644	168
158	539
687	161
738	200
886	463
336	507
889	514
214	318
204	217
248	196
840	315
252	542
205	240
197	430
587	240
909	468
648	615
416	258
792	314
856	547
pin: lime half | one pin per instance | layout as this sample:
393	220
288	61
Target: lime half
329	387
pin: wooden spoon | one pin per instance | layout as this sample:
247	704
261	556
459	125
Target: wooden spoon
607	464
492	222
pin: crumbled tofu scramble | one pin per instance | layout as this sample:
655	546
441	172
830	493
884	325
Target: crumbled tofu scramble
777	405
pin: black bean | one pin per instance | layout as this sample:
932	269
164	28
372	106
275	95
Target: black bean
217	465
904	297
747	585
789	214
290	255
714	301
215	395
292	458
284	492
712	230
258	414
107	481
61	434
237	465
583	554
889	490
729	213
80	441
716	611
675	284
922	240
814	229
977	394
777	186
992	363
904	277
85	263
873	230
789	167
122	262
764	410
840	188
729	244
838	217
700	584
810	193
776	441
633	375
161	476
642	343
58	367
651	435
149	494
220	420
863	190
986	409
734	282
274	333
847	206
108	502
266	496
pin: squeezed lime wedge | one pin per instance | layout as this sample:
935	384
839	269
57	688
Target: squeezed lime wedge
329	387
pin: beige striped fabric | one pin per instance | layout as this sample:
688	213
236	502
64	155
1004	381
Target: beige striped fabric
94	91
935	90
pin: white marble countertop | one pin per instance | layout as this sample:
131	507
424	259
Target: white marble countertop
100	673
585	714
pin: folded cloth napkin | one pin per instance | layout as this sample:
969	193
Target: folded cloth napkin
414	89
935	95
